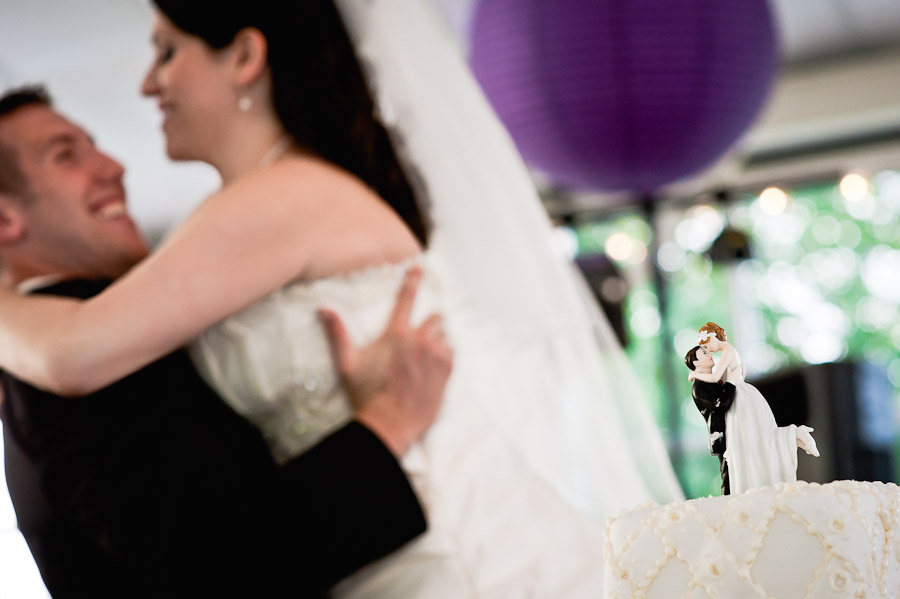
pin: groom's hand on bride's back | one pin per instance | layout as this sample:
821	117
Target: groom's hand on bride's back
396	383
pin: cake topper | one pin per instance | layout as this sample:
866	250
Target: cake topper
753	450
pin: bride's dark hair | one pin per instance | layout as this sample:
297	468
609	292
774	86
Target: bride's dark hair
318	89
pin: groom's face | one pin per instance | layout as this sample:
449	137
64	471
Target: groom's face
72	208
704	361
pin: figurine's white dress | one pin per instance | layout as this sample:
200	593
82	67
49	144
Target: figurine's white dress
496	528
758	451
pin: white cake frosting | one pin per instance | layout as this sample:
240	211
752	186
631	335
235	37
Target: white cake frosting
793	541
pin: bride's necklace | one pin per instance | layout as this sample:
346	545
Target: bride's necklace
275	152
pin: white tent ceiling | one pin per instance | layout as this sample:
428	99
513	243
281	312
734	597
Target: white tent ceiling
841	80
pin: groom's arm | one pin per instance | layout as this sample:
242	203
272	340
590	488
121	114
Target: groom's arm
726	397
349	503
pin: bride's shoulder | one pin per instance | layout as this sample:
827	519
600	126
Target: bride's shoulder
306	188
324	206
729	352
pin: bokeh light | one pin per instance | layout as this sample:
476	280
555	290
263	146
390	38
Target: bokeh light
773	201
670	257
821	348
854	187
614	289
645	321
619	246
826	229
833	268
881	273
638	253
851	235
701	227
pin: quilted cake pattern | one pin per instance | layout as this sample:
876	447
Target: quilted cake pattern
791	541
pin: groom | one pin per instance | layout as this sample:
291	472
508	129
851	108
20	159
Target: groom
153	487
713	400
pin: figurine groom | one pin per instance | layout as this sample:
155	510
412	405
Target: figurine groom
713	400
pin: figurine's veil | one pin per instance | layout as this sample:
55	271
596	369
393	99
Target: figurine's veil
560	383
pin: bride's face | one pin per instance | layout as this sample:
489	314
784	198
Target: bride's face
713	345
193	89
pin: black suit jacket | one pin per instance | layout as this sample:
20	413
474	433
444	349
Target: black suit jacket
714	400
152	487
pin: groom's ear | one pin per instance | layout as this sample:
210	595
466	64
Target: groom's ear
251	51
12	222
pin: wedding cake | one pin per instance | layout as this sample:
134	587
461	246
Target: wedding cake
791	540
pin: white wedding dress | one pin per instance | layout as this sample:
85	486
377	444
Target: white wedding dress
758	451
543	412
496	527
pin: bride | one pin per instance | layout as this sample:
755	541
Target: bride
531	449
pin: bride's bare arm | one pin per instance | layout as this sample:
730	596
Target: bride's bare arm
240	244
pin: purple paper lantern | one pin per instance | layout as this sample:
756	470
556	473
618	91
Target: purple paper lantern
624	94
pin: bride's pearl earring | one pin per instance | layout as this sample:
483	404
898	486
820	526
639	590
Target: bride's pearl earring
245	103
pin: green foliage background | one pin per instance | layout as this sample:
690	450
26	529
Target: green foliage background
839	255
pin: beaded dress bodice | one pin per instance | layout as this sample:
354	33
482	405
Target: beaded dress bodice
272	363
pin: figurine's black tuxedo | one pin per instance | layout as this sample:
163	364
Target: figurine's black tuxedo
713	400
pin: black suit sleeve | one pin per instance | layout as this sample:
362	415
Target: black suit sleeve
231	517
726	397
703	398
369	510
712	398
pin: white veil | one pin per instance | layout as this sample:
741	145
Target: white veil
565	392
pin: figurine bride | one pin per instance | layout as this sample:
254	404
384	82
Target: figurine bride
759	452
